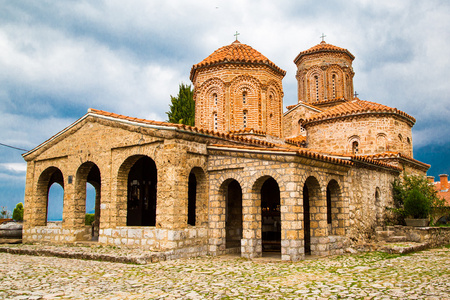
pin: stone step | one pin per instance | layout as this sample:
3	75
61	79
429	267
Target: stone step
396	239
385	234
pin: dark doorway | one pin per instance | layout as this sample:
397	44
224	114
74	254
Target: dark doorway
271	216
329	210
141	200
192	198
306	221
233	215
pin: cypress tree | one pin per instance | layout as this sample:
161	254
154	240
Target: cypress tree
182	107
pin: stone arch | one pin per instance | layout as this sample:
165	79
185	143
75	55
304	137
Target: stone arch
197	197
137	191
88	172
335	209
354	145
46	179
381	142
314	217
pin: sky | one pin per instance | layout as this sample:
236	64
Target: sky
59	58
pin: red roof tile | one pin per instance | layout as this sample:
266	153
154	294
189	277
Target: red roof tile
357	107
323	47
192	129
235	53
443	194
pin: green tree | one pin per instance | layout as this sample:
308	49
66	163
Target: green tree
182	109
414	196
18	212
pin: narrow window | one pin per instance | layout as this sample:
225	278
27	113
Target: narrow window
215	99
215	121
334	86
245	119
317	87
244	97
355	147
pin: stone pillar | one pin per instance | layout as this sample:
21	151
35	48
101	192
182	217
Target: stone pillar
216	242
251	242
292	248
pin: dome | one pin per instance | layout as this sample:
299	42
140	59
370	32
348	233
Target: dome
323	47
236	52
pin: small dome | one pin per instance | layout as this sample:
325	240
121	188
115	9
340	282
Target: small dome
323	47
235	53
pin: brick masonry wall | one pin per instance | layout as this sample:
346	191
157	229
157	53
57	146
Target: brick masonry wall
263	105
324	65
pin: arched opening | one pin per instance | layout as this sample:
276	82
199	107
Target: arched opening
313	215
271	216
334	209
233	215
50	197
141	195
55	203
192	199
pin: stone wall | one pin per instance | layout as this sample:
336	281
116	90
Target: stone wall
374	134
370	192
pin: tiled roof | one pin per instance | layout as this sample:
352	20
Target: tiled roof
192	129
301	152
235	53
369	159
357	107
392	154
297	141
248	130
443	194
323	47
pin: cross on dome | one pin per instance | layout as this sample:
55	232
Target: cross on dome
323	37
236	35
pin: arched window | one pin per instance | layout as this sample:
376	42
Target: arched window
244	97
245	119
400	137
355	146
408	140
215	98
316	78
215	122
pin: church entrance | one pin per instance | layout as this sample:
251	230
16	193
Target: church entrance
141	198
271	216
233	222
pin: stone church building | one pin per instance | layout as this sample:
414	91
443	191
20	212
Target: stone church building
248	178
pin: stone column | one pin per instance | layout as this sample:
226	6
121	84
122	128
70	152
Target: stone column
292	248
251	242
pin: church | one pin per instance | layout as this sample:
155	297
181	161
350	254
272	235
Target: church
248	179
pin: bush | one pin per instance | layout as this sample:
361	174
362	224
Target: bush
18	212
89	218
416	205
414	197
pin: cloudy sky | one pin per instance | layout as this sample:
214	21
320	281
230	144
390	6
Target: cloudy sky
58	58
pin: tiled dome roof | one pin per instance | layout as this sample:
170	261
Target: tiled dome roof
323	47
357	107
235	53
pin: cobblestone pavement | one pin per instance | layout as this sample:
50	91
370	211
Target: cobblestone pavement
376	275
